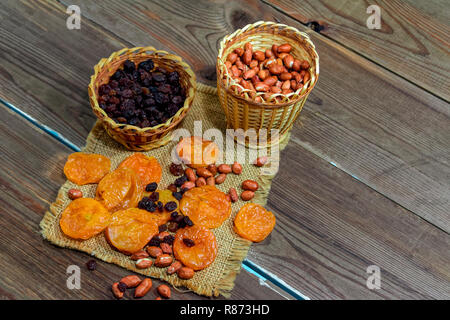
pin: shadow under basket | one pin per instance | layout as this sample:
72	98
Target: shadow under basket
133	137
279	111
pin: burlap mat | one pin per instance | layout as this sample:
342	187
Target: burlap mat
219	277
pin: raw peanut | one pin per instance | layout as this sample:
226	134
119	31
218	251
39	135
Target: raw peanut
247	57
224	168
233	195
239	64
285	48
131	281
239	51
258	99
288	61
263	74
200	182
144	263
287	91
259	55
190	174
269	62
213	169
163	234
304	65
255	80
221	178
172	187
228	197
293	84
236	168
139	255
259	162
296	65
270	81
251	185
253	63
269	53
252	87
232	57
248	46
154	252
164	291
297	77
249	74
247	195
185	273
306	77
235	71
115	289
166	248
275	89
203	172
256	69
275	68
143	288
286	76
211	181
299	86
74	194
280	62
261	86
163	260
275	50
228	65
174	267
282	55
286	85
188	185
245	84
278	84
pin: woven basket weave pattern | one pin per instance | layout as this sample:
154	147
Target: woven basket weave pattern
243	112
132	137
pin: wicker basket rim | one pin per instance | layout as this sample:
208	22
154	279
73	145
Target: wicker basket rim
158	54
257	24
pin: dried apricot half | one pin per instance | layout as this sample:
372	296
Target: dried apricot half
195	247
206	206
148	169
84	218
120	189
84	168
165	196
130	230
253	222
197	152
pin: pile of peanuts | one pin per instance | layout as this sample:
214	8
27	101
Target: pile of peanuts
274	71
142	287
216	174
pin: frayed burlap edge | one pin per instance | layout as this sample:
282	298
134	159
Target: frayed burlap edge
232	267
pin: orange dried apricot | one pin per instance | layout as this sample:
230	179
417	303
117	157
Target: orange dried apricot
253	222
195	247
84	218
197	152
130	230
85	168
206	206
164	216
148	169
120	189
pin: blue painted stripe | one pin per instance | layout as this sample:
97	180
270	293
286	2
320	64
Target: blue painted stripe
246	264
41	126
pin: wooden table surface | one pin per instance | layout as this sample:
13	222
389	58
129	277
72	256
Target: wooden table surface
364	180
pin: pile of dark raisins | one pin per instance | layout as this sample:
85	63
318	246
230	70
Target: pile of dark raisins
144	96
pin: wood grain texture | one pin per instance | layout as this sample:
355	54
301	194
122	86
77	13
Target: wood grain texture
414	39
317	257
31	267
372	124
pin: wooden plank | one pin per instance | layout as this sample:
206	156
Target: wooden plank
318	280
31	267
374	137
414	39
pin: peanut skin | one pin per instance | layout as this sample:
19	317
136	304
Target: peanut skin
164	291
247	195
131	281
115	289
143	288
185	273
